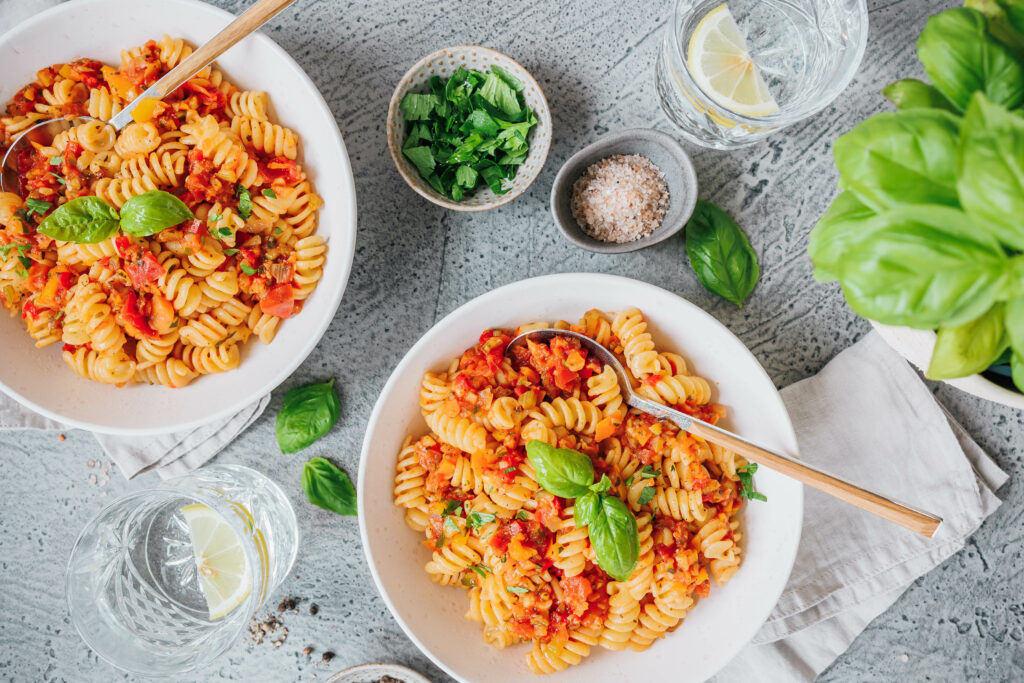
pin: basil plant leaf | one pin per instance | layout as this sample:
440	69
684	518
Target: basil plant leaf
151	212
613	534
1005	22
308	413
720	253
561	471
328	487
847	220
991	177
1014	321
584	509
910	93
925	267
969	348
961	57
1017	369
904	157
85	220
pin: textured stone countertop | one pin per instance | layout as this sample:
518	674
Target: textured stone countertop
416	262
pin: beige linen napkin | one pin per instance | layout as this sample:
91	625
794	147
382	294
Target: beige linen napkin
868	417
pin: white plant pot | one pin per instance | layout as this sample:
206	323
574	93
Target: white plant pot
917	346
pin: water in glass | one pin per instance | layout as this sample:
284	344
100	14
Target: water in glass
729	74
133	584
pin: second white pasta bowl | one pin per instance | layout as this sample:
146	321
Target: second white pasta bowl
716	628
99	29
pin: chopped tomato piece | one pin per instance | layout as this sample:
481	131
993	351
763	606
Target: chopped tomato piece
133	317
37	275
279	300
144	270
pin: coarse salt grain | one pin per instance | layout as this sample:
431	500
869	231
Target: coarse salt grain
620	198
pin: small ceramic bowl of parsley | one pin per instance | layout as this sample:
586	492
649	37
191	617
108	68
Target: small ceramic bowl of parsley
468	128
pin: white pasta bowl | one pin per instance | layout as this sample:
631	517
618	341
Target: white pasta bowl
99	29
716	628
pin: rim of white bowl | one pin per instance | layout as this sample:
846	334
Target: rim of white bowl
287	368
378	411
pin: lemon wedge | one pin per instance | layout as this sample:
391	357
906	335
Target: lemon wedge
221	564
721	64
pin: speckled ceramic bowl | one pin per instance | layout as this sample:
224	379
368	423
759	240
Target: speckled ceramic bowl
444	63
663	150
368	673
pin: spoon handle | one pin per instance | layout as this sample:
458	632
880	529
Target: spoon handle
908	516
249	21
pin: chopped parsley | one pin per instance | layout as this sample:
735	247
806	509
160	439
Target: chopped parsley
646	496
517	589
522	515
648	472
214	217
450	526
56	161
33	205
59	179
25	261
478	519
452	507
247	269
230	252
244	201
269	193
746	475
278	231
481	569
509	470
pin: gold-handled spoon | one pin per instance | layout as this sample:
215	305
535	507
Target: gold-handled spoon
905	515
43	132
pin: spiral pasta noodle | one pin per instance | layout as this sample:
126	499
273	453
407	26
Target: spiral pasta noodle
165	308
530	574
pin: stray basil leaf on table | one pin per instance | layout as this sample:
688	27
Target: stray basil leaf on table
720	254
328	487
308	413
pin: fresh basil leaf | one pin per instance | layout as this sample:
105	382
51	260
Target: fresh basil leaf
328	487
927	266
904	157
1014	322
961	57
991	177
509	79
478	519
150	212
613	534
422	158
969	348
720	253
1017	368
910	93
85	220
847	220
561	471
1001	16
417	107
584	508
601	486
499	94
308	413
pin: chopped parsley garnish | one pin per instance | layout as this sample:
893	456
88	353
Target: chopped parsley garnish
467	581
648	472
509	470
230	252
33	205
450	526
269	193
522	516
746	475
244	201
476	520
222	232
278	231
59	179
25	261
214	217
56	161
440	542
452	507
645	496
247	269
481	569
517	589
469	130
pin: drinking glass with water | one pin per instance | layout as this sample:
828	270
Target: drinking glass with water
162	581
729	74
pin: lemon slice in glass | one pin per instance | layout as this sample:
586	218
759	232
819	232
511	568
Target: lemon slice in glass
222	566
721	64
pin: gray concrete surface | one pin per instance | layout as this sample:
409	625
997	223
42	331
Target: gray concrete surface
415	263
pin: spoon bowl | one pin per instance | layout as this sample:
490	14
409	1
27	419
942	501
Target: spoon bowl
41	134
908	516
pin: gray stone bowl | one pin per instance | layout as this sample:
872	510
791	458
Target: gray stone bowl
663	150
